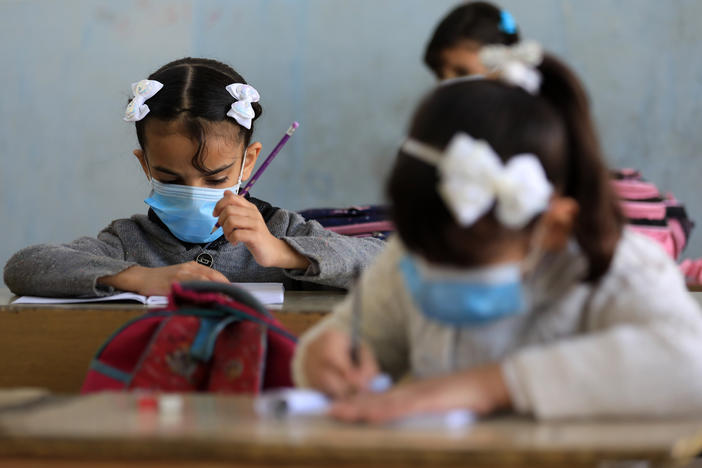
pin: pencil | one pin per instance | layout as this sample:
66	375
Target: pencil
356	319
270	157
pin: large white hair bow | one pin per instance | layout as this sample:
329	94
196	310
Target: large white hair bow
141	90
515	64
472	178
241	109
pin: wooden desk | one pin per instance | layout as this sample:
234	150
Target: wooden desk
108	430
51	346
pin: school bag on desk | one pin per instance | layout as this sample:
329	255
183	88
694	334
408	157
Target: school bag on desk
211	337
355	221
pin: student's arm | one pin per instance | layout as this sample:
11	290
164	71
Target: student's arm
332	257
66	270
642	355
383	325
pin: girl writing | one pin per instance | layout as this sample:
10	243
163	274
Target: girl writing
512	284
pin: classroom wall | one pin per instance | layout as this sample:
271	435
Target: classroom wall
348	70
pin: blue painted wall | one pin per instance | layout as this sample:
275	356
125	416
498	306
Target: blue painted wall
348	70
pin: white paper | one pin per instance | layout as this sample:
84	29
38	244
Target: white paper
293	402
266	293
152	300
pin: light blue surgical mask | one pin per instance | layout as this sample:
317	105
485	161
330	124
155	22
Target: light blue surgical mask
465	298
187	210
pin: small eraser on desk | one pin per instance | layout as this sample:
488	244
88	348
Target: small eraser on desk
170	403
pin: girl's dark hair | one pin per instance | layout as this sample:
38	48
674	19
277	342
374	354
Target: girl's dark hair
555	125
194	93
476	21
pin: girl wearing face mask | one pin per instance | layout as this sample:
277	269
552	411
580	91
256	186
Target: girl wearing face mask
512	283
194	121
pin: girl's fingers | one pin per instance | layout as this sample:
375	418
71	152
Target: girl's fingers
372	408
201	272
360	376
244	236
232	224
333	383
229	199
235	212
345	410
226	200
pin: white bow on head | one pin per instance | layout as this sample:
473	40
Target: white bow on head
472	178
141	90
241	109
515	64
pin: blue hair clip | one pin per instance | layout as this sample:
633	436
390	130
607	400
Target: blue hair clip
507	23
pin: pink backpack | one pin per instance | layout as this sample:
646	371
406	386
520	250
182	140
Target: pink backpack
659	217
211	337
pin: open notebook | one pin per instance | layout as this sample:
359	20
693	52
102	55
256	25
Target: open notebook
266	293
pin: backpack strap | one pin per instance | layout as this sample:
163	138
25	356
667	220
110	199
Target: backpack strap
182	292
210	328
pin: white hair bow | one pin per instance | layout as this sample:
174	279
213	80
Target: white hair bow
472	178
141	90
515	64
241	109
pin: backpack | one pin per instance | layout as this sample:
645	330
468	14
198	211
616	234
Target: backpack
355	221
648	212
211	337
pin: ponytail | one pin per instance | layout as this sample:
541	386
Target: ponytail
599	222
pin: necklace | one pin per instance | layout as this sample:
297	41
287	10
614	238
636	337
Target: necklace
204	258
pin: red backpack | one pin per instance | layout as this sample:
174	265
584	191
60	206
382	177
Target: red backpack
211	337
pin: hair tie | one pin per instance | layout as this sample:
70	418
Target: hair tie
507	23
242	111
141	90
515	64
472	178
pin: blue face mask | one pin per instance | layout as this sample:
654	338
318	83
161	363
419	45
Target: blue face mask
465	298
186	210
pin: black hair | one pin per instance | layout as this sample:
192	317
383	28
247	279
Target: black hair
476	21
555	125
194	93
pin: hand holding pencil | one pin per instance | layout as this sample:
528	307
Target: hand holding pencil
243	223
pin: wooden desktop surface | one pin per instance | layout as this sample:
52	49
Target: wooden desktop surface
51	346
108	430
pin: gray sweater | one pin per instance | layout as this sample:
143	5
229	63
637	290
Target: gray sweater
69	270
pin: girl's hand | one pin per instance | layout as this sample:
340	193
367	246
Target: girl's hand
481	390
158	281
328	366
242	222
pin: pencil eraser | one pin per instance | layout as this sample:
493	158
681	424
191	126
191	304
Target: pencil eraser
295	124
